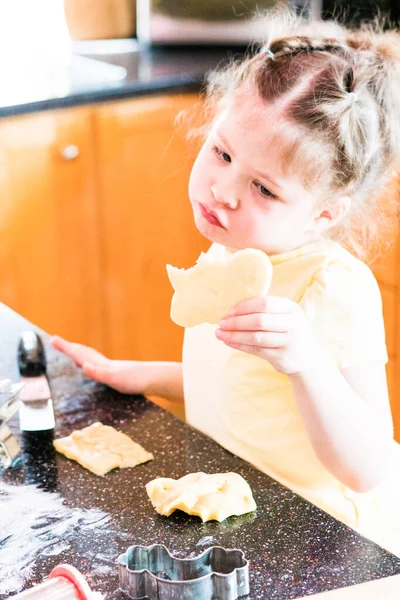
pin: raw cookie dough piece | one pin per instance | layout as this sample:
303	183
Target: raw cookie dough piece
211	497
100	448
207	291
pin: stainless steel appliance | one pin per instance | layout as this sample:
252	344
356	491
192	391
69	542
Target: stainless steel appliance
207	21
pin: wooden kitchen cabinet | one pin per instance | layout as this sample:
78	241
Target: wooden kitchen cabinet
391	313
94	204
387	273
49	249
145	221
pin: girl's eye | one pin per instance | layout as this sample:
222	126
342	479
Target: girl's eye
264	191
225	157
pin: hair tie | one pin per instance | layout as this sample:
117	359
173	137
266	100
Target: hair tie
268	52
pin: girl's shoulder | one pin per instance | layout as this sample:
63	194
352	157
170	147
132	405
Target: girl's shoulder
322	270
343	292
343	302
340	273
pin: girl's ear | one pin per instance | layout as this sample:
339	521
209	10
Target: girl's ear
333	214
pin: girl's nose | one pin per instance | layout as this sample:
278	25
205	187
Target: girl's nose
225	195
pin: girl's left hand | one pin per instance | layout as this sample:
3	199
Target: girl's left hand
275	329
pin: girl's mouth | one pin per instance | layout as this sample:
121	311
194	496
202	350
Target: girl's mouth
210	217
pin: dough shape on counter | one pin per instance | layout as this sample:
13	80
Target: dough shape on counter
100	448
208	290
211	497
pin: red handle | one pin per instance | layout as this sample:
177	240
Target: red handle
76	578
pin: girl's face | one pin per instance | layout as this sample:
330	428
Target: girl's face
239	195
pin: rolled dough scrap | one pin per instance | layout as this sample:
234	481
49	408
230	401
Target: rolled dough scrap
208	290
211	497
100	448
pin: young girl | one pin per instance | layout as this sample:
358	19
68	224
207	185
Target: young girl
304	136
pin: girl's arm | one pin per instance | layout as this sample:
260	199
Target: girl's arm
165	381
151	378
346	414
347	417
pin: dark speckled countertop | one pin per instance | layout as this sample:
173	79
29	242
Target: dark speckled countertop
53	511
84	78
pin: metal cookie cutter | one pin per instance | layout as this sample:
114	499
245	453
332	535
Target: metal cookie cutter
152	572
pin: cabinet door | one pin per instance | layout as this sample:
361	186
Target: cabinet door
387	272
386	267
146	221
49	257
391	316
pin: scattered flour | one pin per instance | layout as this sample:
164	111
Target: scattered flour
205	541
37	523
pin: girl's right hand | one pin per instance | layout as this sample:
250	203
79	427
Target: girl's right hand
125	376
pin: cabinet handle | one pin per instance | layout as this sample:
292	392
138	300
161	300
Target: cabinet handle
70	152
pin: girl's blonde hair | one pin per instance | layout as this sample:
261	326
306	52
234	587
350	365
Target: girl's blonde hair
338	91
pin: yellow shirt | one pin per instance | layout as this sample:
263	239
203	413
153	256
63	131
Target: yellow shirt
248	407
